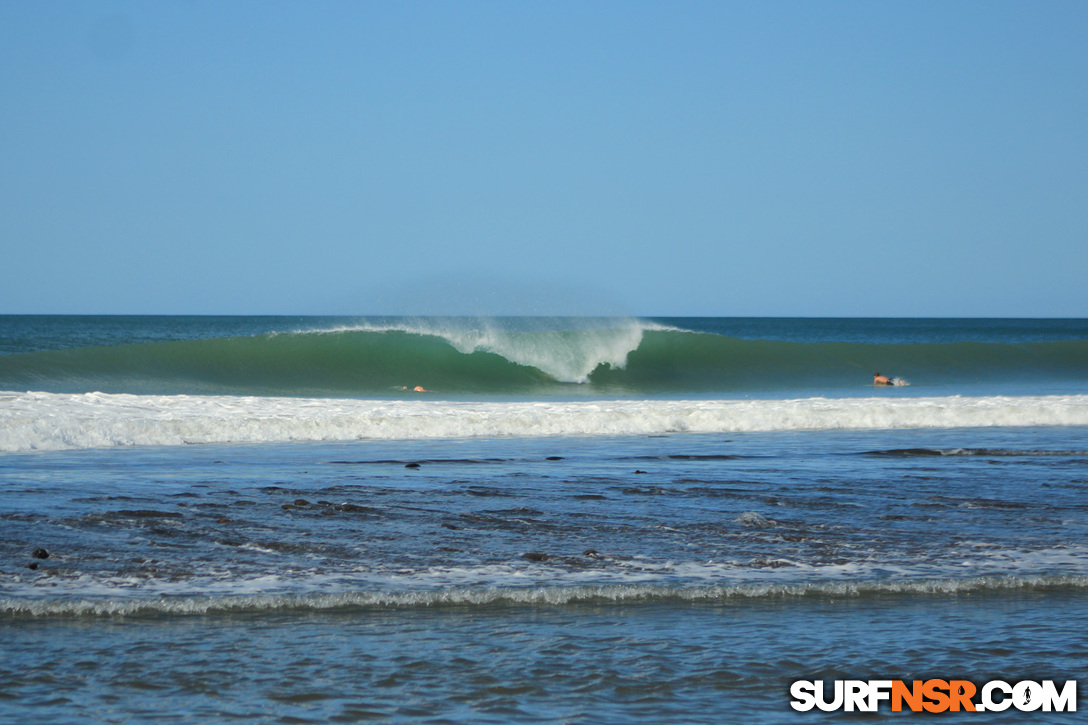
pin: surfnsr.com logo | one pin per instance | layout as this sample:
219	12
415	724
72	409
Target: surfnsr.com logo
934	696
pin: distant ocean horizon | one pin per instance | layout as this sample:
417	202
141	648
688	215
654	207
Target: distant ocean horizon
576	519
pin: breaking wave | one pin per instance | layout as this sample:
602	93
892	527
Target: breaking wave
524	357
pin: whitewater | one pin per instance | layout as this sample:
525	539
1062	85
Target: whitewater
56	421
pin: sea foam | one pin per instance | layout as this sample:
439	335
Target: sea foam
53	421
523	596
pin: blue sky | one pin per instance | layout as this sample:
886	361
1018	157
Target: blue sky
667	158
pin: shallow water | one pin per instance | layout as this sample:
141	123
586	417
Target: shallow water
588	662
681	577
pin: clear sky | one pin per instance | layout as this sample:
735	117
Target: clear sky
646	158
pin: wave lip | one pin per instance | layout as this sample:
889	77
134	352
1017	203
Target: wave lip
54	421
568	353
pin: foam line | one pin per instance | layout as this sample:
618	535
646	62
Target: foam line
528	596
54	421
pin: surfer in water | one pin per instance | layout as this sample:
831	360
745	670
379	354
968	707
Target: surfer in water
879	379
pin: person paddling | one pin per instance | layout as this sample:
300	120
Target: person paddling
879	379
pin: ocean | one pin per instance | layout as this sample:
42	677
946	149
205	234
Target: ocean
579	520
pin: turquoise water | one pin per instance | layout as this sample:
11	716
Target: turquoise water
533	357
649	523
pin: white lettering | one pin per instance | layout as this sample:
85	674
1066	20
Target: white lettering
856	695
804	698
1027	696
999	705
1065	701
993	696
834	704
879	690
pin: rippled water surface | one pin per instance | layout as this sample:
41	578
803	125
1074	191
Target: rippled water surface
630	579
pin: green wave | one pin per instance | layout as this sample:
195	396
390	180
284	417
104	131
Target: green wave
283	364
668	360
656	361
